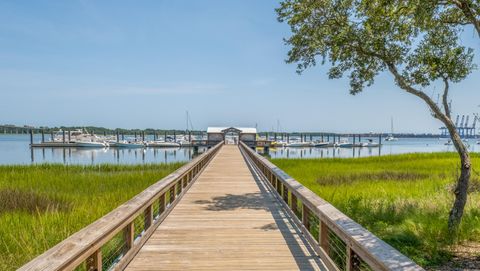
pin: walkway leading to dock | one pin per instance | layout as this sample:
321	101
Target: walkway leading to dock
228	220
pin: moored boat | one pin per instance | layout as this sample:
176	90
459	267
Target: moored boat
162	144
321	144
299	144
126	144
89	144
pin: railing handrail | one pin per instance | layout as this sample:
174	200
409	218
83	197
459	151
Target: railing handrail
374	251
74	250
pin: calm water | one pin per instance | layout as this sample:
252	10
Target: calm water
403	145
14	149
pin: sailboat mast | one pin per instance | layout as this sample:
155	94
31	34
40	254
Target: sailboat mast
391	125
186	127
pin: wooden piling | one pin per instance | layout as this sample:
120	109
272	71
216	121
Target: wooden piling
63	136
69	136
31	137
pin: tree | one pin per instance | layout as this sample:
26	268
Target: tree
456	12
366	37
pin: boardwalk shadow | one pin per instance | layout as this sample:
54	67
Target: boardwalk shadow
254	201
283	225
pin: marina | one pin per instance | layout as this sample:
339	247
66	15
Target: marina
15	149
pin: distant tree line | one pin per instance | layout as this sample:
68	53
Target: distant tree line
13	129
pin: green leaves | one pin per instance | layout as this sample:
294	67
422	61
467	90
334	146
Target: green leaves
363	37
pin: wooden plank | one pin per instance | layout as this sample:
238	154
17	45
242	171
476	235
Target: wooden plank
374	251
227	221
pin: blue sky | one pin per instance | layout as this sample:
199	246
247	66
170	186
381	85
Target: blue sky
139	64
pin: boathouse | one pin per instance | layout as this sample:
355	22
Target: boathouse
245	135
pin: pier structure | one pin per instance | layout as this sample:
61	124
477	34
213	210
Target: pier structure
228	209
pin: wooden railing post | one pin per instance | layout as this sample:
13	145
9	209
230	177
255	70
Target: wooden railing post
324	239
306	217
94	262
148	217
294	204
353	261
129	235
161	203
172	193
285	193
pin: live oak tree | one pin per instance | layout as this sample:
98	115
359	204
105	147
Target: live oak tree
363	38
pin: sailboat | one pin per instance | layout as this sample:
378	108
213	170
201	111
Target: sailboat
390	137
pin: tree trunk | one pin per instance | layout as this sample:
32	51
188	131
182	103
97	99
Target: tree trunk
461	187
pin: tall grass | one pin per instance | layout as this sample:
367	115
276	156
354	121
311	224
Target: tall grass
41	205
403	199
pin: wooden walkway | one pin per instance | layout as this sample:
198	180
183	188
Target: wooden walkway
228	220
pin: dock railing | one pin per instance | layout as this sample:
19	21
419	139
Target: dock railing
341	243
112	241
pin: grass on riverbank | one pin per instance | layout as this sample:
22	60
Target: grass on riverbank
43	204
403	199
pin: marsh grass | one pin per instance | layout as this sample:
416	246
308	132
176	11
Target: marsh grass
403	199
41	205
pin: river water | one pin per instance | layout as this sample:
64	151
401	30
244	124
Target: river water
15	149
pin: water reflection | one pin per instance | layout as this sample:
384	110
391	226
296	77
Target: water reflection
14	149
111	155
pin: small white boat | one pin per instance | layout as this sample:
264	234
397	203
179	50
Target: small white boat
278	144
184	143
88	144
162	144
370	144
343	144
299	144
321	144
126	144
391	138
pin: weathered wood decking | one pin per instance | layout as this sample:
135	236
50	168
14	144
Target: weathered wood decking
228	220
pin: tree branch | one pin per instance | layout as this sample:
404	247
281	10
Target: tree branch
445	97
469	13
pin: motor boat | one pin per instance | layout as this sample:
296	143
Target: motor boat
391	138
89	144
126	144
278	144
343	144
298	144
370	144
162	144
321	144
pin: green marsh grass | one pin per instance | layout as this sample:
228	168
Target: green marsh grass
403	199
40	205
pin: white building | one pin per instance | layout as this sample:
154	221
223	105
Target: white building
218	134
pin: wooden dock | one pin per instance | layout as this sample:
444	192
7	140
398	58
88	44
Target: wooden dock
228	209
228	220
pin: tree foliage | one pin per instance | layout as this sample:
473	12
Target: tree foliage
417	41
